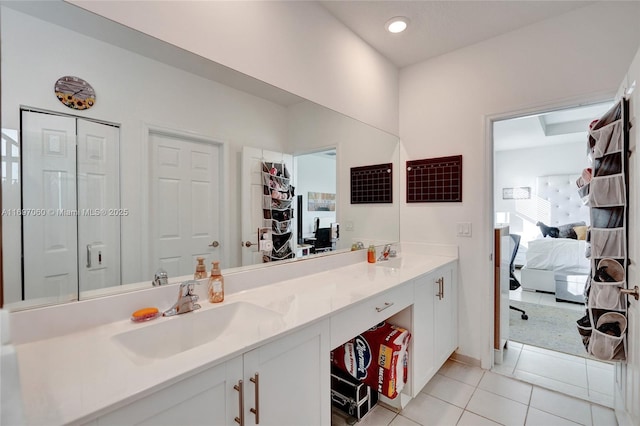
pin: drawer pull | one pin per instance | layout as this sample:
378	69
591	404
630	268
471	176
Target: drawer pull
240	388
386	305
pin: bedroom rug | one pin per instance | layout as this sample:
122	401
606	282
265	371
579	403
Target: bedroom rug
547	327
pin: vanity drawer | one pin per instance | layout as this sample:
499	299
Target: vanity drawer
347	324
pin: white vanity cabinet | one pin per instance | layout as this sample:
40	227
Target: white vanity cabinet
202	399
284	382
435	323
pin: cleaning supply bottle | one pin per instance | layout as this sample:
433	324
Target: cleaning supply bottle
216	284
201	269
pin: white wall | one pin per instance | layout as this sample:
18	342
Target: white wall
295	45
131	90
521	167
315	173
445	104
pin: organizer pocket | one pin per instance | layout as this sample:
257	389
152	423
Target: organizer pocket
275	182
608	242
283	227
607	191
279	215
606	295
607	338
608	139
608	165
607	217
271	203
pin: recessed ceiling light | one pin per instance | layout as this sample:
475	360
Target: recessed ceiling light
397	24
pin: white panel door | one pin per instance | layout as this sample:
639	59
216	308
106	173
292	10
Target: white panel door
50	236
184	203
627	380
252	191
98	205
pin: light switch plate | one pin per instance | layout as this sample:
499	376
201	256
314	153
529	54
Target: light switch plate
463	229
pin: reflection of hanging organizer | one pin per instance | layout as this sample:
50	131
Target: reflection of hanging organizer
603	328
277	210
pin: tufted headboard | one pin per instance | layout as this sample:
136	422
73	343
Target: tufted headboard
558	200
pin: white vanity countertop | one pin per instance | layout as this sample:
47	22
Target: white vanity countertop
74	377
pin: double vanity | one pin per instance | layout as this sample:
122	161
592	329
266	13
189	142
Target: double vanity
260	357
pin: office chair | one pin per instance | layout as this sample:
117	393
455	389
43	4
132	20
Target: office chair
514	284
323	240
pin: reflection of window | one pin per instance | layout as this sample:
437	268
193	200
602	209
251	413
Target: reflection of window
10	156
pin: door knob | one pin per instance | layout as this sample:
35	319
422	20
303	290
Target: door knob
214	244
635	292
248	244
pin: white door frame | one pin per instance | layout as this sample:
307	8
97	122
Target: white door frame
487	335
145	169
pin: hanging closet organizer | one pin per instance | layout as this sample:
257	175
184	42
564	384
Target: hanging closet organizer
603	328
277	210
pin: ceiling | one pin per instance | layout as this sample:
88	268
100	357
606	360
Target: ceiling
551	128
438	27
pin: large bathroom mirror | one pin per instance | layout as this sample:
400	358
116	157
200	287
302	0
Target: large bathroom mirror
174	130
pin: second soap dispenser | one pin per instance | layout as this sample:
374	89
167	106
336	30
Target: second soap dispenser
201	270
216	284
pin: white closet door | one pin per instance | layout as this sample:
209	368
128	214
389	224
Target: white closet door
252	191
98	205
184	203
50	238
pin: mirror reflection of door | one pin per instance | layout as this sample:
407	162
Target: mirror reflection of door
252	199
185	194
71	190
316	183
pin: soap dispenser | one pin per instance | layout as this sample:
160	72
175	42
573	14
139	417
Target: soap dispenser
201	269
216	284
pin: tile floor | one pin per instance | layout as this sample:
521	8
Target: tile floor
463	395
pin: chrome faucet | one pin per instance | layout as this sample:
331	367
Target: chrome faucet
385	253
186	300
160	278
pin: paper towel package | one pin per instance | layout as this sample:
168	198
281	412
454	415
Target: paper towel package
377	357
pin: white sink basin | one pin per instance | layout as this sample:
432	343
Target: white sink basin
168	336
392	262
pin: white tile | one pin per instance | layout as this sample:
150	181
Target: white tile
379	416
556	354
504	369
555	385
601	364
561	405
504	386
601	398
470	419
497	408
537	417
603	416
403	421
462	372
449	390
553	367
600	380
427	410
514	345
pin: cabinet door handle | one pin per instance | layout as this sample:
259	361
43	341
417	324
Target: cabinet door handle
256	380
440	293
88	255
240	388
386	305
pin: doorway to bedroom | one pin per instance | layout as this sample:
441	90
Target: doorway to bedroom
540	161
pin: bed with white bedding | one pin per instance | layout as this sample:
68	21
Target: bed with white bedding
558	263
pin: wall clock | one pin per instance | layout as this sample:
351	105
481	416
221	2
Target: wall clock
75	92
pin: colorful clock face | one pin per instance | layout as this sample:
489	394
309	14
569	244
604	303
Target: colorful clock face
75	93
